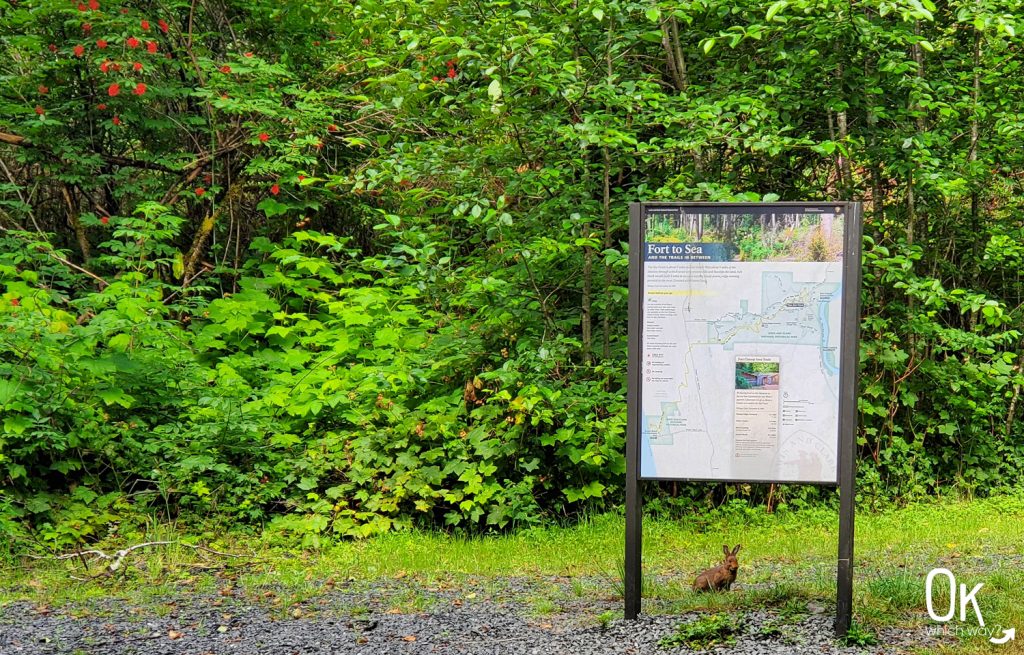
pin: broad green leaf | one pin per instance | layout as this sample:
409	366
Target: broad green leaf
494	89
775	8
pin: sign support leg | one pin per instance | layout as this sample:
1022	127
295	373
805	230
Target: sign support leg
632	572
848	419
844	574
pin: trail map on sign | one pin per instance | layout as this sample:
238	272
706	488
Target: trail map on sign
740	345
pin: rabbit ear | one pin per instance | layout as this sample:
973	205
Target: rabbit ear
736	549
725	548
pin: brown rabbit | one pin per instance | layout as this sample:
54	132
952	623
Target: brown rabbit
722	576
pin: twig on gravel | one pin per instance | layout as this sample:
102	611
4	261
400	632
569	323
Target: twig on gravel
117	559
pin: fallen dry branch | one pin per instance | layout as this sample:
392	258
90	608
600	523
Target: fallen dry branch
116	559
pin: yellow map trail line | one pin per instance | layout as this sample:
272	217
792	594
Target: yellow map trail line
755	326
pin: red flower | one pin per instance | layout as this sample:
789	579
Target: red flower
101	106
124	10
200	191
115	120
105	66
132	42
105	220
113	89
301	177
115	66
274	189
140	88
79	50
332	128
94	5
144	25
162	25
40	110
82	7
86	28
264	137
224	96
15	302
319	145
52	47
225	69
101	44
43	89
137	66
316	43
151	47
248	54
436	78
451	73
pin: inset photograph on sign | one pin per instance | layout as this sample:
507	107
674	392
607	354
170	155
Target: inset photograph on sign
741	309
790	236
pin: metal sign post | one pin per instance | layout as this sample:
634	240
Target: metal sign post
736	254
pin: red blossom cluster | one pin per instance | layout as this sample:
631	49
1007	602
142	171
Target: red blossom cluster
452	71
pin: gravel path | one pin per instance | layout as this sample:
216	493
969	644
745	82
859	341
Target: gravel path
392	619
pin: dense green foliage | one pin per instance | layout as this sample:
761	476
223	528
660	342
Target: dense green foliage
347	267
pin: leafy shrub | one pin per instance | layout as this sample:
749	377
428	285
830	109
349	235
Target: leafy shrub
704	633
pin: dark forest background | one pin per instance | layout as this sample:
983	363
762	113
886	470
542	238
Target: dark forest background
337	268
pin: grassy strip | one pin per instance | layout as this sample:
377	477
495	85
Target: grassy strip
787	562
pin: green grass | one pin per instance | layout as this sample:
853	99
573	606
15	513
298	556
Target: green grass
859	635
787	561
704	632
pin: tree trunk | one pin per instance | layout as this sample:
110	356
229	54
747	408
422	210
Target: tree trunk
606	207
76	223
972	156
195	252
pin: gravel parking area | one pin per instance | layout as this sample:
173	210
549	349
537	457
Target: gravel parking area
393	619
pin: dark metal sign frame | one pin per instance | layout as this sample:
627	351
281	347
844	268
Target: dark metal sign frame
848	358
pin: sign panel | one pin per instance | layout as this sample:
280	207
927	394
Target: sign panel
741	311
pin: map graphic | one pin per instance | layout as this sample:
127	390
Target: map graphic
740	344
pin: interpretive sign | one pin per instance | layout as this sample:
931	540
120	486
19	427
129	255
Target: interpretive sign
740	338
743	322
